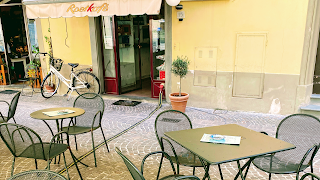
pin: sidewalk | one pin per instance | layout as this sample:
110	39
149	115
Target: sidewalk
136	143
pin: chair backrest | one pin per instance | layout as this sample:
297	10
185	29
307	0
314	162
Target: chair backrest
37	175
13	106
171	120
91	103
310	175
134	171
303	131
18	138
32	71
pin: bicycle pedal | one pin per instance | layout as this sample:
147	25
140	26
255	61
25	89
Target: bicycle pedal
65	95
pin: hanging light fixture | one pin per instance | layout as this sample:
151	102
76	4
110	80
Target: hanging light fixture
173	2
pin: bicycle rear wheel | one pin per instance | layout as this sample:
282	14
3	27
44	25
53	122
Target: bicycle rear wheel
88	81
50	85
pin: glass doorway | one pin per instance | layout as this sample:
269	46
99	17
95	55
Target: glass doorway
127	41
133	52
135	76
129	52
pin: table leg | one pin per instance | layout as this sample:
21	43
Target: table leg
206	167
246	165
48	127
58	130
220	172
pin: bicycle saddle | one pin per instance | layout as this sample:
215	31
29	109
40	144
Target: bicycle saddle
73	65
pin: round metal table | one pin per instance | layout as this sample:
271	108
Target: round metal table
41	116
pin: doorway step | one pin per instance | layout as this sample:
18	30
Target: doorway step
314	106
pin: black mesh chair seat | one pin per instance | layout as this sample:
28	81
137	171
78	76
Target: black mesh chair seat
172	120
303	131
31	76
277	166
93	104
24	142
188	159
138	175
56	149
37	175
74	130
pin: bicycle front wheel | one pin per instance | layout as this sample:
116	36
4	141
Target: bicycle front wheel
86	82
50	85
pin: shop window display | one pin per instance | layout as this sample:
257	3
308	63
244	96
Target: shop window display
15	40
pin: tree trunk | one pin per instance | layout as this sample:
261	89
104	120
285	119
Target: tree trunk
180	87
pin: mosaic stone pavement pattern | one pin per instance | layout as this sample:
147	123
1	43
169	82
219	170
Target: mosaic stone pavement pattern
134	144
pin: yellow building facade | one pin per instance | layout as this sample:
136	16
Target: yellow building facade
70	38
251	55
245	54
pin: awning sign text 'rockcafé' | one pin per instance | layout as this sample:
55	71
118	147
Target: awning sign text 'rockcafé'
72	8
93	8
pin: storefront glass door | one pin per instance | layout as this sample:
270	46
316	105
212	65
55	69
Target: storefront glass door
134	49
128	35
158	54
111	79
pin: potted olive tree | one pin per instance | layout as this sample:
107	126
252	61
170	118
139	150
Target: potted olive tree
179	68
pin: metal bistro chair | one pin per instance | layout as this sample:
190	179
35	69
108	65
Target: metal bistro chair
302	130
31	76
11	110
37	175
24	142
138	175
93	104
173	120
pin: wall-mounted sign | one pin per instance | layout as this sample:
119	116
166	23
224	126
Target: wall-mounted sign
180	15
107	33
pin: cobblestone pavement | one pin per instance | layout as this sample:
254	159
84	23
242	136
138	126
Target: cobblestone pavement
135	144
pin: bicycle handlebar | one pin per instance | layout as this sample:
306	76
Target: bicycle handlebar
45	53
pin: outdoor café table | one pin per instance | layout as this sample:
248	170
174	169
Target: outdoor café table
41	116
252	144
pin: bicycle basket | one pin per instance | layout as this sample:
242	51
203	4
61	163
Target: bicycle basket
57	64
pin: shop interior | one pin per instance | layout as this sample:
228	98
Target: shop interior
14	48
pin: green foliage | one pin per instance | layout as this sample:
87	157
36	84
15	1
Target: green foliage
180	68
36	60
49	41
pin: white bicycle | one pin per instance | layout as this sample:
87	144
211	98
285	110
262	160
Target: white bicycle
81	81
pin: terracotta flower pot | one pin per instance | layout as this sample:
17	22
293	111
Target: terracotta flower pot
179	102
49	88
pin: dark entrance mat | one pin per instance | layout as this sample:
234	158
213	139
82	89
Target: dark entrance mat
126	103
8	92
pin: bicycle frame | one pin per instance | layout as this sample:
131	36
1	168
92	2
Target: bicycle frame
68	82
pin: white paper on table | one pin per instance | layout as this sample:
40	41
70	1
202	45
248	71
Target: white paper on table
58	113
221	139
